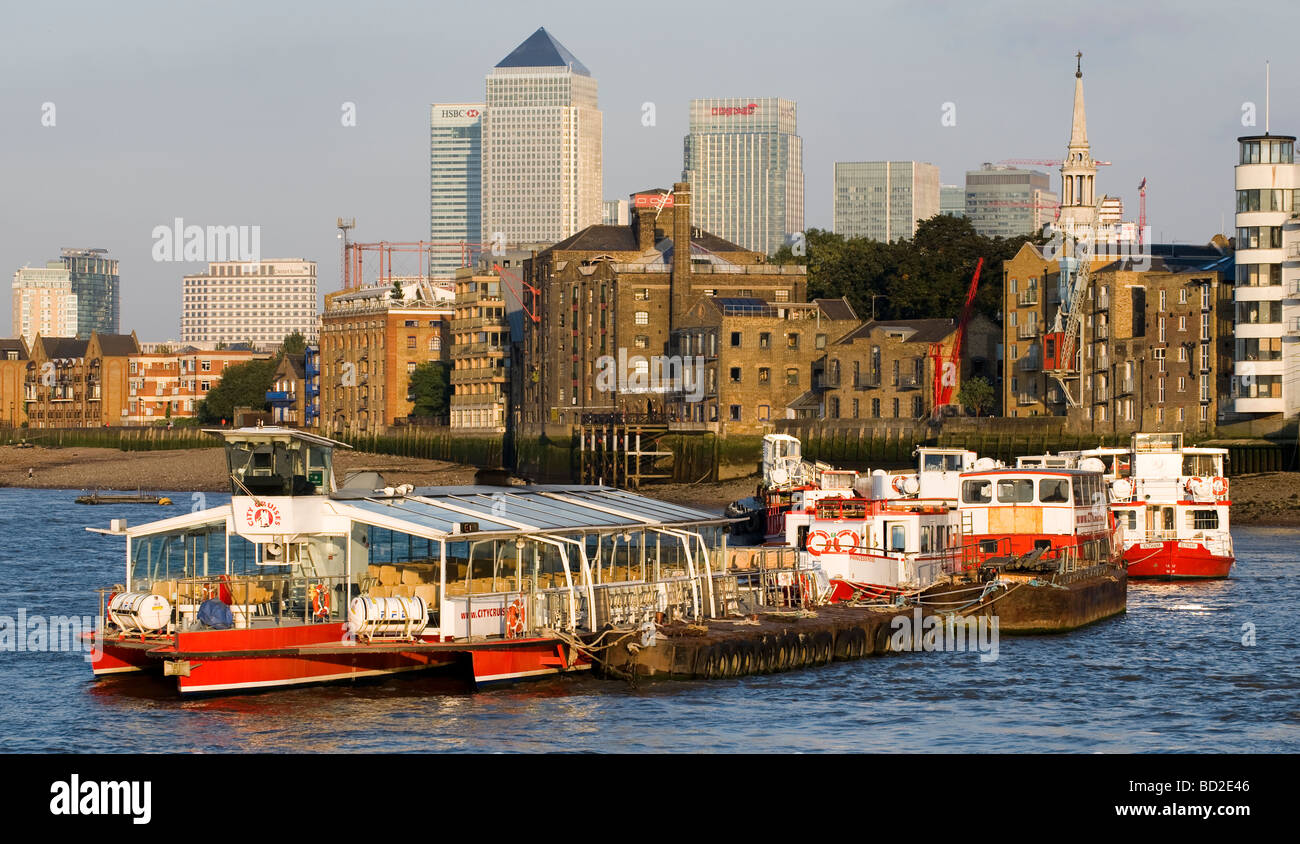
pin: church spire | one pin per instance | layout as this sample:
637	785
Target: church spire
1079	124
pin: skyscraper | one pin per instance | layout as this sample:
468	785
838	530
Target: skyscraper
74	296
884	200
455	183
744	162
1006	201
541	145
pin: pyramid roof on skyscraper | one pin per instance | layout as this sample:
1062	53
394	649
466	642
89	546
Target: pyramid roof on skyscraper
542	50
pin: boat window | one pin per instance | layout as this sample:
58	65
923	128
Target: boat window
1054	491
1127	518
942	463
1169	518
1199	465
976	492
1203	519
925	539
897	537
1015	491
285	467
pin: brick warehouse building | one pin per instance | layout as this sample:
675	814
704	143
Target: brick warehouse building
369	345
612	288
1151	353
170	385
70	383
885	369
759	361
13	370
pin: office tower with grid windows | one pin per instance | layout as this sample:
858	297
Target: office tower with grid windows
541	146
884	200
455	185
744	161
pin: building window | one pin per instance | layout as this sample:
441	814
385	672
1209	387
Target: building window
642	341
410	341
792	377
735	339
781	295
641	295
735	413
764	412
855	408
765	340
875	408
835	407
820	341
642	318
895	408
792	340
764	375
735	374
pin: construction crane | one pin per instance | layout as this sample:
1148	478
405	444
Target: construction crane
942	390
1078	290
518	290
1046	162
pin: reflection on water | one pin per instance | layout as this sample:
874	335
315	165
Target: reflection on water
1174	673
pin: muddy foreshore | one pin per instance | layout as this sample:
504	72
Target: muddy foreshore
1271	498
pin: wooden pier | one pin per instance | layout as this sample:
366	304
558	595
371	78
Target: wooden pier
622	451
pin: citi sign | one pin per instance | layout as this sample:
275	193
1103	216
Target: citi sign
730	111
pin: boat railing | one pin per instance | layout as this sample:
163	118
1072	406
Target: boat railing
258	599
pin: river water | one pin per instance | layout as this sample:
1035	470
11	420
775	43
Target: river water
1192	667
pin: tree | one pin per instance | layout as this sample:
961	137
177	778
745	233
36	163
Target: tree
927	276
430	390
293	344
977	394
397	290
241	385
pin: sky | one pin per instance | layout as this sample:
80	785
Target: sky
231	113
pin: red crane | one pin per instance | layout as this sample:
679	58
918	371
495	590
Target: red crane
942	390
518	290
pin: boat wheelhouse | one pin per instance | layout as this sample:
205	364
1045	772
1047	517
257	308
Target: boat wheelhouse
1171	503
1052	513
296	581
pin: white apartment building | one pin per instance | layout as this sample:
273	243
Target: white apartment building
247	301
744	161
884	200
541	146
44	303
455	185
1266	370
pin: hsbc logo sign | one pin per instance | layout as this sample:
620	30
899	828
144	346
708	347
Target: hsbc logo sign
733	111
460	112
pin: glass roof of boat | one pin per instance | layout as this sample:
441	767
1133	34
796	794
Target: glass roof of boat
533	509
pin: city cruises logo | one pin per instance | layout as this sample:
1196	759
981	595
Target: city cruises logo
179	242
264	515
676	374
733	111
945	633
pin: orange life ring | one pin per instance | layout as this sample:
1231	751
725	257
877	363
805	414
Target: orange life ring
818	550
320	601
515	619
898	484
846	547
1220	486
1193	483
